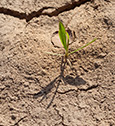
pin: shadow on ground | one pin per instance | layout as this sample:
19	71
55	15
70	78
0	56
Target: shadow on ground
68	80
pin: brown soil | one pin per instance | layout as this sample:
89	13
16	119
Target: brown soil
34	88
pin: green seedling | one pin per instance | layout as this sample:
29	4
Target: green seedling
64	37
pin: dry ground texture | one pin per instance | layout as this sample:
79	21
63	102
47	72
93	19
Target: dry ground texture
34	88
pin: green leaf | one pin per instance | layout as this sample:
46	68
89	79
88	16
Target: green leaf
62	35
67	39
82	47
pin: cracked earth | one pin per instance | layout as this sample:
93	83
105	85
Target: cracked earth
35	88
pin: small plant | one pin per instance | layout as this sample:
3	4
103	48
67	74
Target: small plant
64	37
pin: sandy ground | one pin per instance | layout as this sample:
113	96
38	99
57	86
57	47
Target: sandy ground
34	88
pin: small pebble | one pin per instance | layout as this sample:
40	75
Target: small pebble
102	55
13	117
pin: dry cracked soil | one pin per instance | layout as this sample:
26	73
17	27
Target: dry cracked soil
37	88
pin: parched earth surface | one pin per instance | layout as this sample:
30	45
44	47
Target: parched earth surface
35	87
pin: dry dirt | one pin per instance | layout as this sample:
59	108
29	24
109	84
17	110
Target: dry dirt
34	88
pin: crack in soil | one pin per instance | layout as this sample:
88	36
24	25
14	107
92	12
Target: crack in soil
67	7
62	118
17	123
25	16
71	90
56	12
89	88
82	89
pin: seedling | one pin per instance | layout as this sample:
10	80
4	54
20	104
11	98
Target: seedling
64	37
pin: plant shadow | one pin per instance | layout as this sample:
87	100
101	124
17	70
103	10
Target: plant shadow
74	81
60	78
